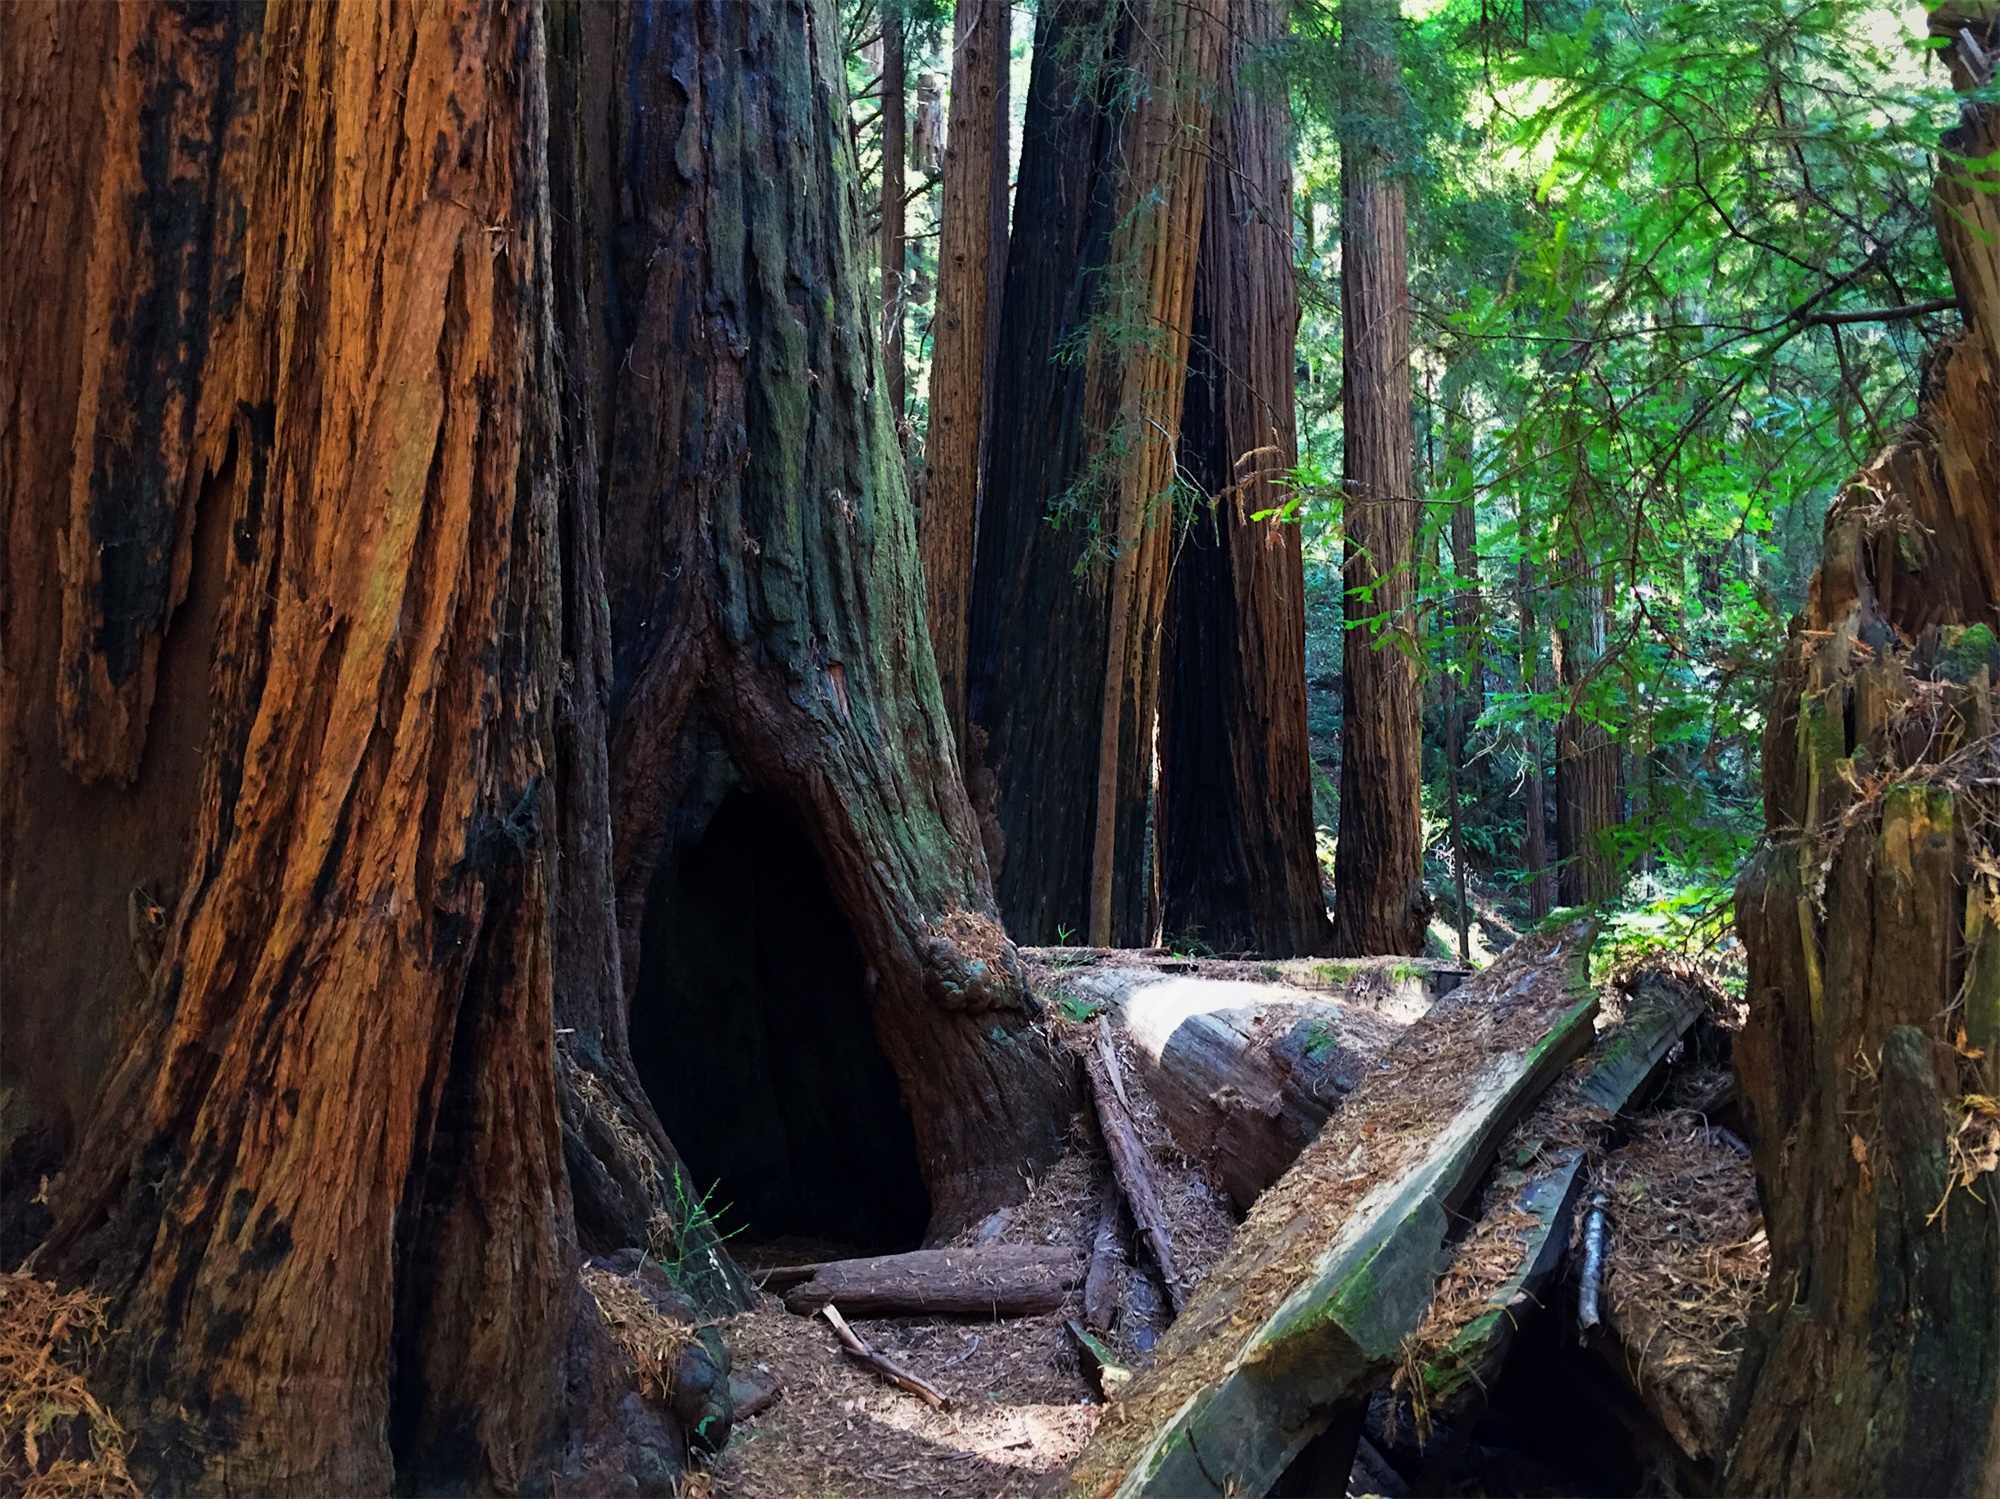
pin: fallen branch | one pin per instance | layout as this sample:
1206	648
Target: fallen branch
986	1280
1131	1164
857	1348
1591	1279
1107	1253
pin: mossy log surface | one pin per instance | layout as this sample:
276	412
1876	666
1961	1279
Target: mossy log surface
1335	1265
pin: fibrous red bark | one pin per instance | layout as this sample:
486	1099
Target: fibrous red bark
1238	866
1379	901
1872	925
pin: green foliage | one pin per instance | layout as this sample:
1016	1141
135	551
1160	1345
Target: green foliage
1075	1008
689	1228
1629	226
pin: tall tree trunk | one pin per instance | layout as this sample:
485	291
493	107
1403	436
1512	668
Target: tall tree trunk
1467	607
975	158
1534	800
1872	925
460	501
1589	793
1238	866
895	185
1070	579
1379	901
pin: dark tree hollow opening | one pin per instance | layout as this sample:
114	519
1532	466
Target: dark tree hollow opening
752	1034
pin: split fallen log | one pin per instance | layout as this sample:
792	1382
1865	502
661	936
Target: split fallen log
988	1280
1243	1074
861	1351
1107	1258
1100	1362
1336	1263
1512	1257
1130	1163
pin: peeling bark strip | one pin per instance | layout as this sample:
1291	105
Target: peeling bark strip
1071	574
1872	927
1238	866
1335	1264
333	1149
164	261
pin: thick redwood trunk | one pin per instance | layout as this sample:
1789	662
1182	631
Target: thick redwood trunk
1379	901
326	1176
458	504
975	162
1070	581
1534	792
1872	926
1238	866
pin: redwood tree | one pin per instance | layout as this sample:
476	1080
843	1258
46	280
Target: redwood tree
1380	905
426	464
1871	921
963	331
1238	866
1070	579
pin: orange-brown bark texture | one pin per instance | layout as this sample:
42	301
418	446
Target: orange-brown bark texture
1238	870
1380	905
1069	589
1872	925
408	473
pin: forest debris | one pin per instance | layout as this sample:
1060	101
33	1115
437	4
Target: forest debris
56	1439
1335	1264
1504	1265
1683	1266
1590	1279
993	1280
859	1349
1131	1164
1107	1258
1098	1359
651	1334
752	1393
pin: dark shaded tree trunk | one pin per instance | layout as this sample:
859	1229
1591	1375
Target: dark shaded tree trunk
1070	579
963	333
1238	867
1534	786
895	157
1589	787
1379	901
455	498
1872	925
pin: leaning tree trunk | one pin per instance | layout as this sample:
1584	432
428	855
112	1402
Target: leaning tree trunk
1238	867
975	155
1379	901
1070	580
1872	922
423	468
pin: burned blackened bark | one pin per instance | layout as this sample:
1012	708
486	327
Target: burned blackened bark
1070	581
325	1175
1238	865
975	161
1379	901
1872	925
766	602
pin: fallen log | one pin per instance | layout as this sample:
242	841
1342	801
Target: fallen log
1502	1269
1131	1164
1107	1258
1243	1075
1335	1265
996	1280
862	1352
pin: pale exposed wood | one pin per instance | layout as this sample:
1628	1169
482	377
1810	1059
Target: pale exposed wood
994	1280
861	1351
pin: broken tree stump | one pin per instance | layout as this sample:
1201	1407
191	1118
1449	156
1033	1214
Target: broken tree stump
1501	1270
1335	1265
988	1280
